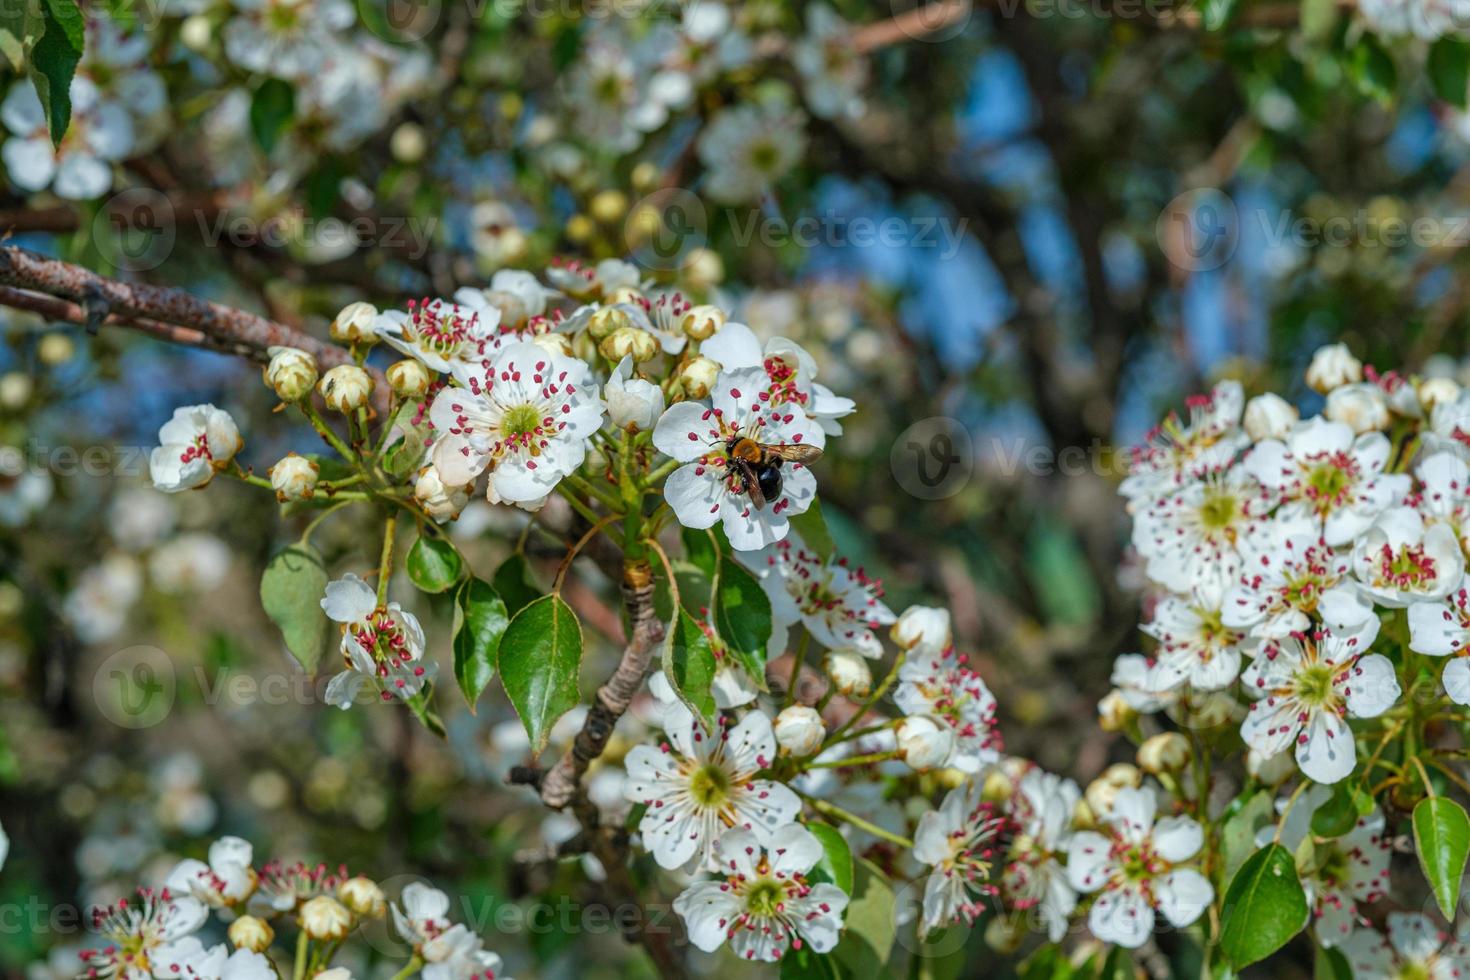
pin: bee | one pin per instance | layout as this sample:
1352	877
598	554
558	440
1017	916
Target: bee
758	466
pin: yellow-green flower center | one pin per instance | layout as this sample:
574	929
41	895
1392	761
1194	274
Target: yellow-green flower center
709	786
520	420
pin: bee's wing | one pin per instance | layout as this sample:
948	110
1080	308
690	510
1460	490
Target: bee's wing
752	483
795	452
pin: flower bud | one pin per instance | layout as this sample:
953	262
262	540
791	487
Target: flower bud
1114	713
997	787
354	325
408	143
701	322
1333	366
799	730
607	321
923	744
850	674
608	207
409	378
644	175
293	478
291	373
196	32
703	268
335	973
1269	416
1006	933
1168	752
248	932
364	897
55	349
323	918
1361	407
629	342
346	388
632	403
1104	789
697	376
925	627
1437	391
555	343
440	502
16	388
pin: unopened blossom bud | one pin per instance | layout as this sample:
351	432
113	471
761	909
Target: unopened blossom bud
1333	366
196	32
1168	752
629	342
1005	933
701	322
1361	407
323	918
997	787
442	503
1114	713
1103	790
850	674
644	175
408	144
1269	416
248	932
698	376
926	627
1270	769
799	730
55	349
354	325
335	973
293	478
607	321
703	268
555	343
579	228
364	897
15	390
291	373
1083	817
1437	391
924	744
608	207
409	378
632	403
346	388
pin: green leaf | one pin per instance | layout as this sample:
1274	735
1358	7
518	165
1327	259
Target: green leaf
1449	69
434	564
1238	835
700	549
540	660
291	592
270	110
514	583
1372	69
1442	839
13	48
1329	964
1340	814
1217	13
836	863
803	964
1118	965
812	527
480	621
1318	18
54	61
689	665
870	925
743	618
1264	907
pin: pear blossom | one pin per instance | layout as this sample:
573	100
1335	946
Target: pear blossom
1137	866
1333	365
1195	646
1347	872
382	645
1400	562
1198	530
450	951
227	879
444	336
1330	475
1441	629
1281	588
284	38
189	958
943	687
964	841
196	443
765	903
587	281
527	421
791	370
841	607
80	169
632	403
1414	947
832	72
1444	494
1035	876
699	784
708	488
1306	686
748	148
144	934
1176	449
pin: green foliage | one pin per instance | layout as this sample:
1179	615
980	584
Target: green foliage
812	526
291	592
54	56
271	108
1340	814
540	661
1238	833
870	922
689	665
742	615
1372	69
1442	841
516	585
1264	907
836	863
434	565
1448	68
480	622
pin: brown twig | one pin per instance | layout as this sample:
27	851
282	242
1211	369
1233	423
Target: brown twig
914	25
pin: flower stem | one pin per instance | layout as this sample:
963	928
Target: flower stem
385	563
796	665
837	813
302	942
853	760
409	968
868	704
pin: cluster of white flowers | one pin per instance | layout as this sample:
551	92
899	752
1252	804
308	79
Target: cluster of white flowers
155	933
